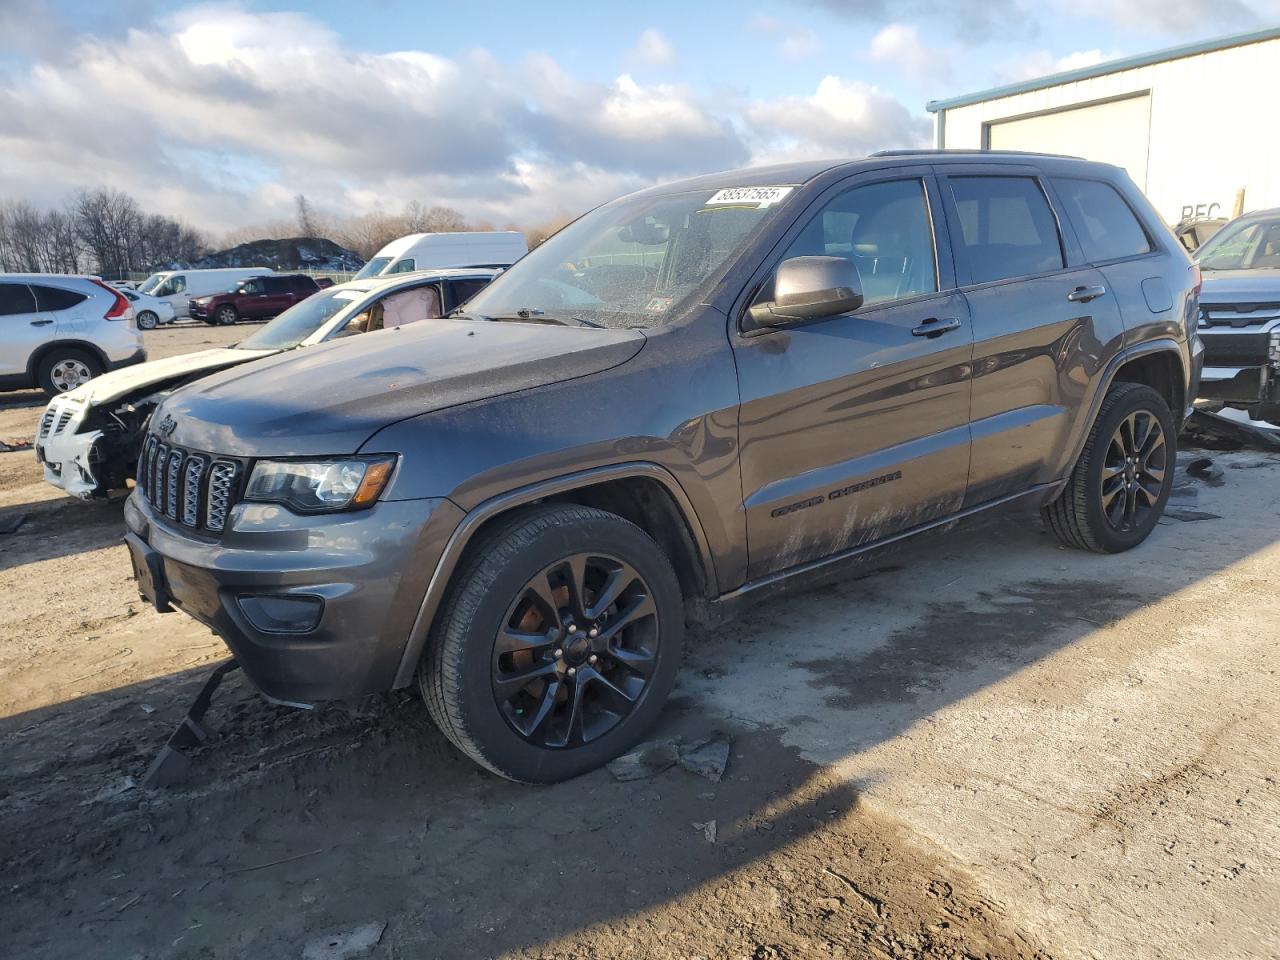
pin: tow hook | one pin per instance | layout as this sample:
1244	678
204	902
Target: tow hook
172	762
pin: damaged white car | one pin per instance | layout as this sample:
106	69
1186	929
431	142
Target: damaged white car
88	438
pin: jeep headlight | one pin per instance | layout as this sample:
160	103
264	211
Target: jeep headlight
320	486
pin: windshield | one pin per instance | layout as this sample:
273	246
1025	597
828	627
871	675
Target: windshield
151	282
632	263
372	268
300	321
1250	245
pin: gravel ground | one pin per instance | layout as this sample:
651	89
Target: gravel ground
981	745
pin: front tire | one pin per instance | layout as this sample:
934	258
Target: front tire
64	369
557	643
226	315
1121	483
147	320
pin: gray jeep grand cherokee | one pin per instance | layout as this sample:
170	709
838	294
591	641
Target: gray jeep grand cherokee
688	395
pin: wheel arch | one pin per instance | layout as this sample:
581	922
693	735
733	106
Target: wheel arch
1157	363
38	355
643	493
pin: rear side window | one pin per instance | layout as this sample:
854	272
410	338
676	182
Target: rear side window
275	285
303	284
16	298
55	298
1007	227
1107	227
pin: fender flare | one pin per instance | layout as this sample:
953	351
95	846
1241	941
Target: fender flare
1149	348
487	510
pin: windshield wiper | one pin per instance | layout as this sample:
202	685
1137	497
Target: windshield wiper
534	315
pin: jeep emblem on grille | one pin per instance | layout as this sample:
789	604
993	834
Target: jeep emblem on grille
166	426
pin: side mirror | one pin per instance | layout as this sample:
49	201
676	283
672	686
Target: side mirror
810	288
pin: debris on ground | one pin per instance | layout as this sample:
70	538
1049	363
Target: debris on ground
344	946
14	443
648	759
1190	516
1204	469
11	523
113	790
1234	428
708	830
708	757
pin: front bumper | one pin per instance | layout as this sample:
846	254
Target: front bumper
65	454
314	608
199	311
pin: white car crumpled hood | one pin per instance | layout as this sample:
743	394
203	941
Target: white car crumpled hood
120	383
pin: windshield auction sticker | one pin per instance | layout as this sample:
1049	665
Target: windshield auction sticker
759	197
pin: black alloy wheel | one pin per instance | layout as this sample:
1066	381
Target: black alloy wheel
557	642
1133	471
577	649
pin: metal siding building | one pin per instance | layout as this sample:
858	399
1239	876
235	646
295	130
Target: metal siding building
1193	125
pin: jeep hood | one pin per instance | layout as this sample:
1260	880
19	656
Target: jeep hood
330	398
119	384
1236	286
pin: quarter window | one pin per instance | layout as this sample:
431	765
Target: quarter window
1106	226
1007	227
16	298
55	298
884	229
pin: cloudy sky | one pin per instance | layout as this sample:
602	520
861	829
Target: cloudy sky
510	111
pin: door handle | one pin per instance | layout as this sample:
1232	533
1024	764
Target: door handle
1085	294
41	323
934	327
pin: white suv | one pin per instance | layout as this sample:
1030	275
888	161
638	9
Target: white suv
57	332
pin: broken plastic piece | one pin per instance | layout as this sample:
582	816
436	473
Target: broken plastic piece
172	763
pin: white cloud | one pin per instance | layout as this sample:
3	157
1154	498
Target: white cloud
220	116
899	44
1216	16
841	118
1042	63
795	41
653	49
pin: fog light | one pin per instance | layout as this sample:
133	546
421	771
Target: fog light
276	614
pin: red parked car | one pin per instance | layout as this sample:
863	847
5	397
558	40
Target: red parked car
258	298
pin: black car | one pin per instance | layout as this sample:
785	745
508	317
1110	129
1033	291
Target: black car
688	395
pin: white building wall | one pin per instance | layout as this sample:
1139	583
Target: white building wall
1214	126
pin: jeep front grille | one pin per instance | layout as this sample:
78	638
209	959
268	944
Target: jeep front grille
1238	316
194	489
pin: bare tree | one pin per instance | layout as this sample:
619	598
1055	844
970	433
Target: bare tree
442	220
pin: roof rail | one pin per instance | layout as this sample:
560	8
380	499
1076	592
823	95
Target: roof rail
954	151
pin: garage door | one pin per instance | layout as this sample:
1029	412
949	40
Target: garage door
1116	131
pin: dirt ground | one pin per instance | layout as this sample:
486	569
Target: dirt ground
980	745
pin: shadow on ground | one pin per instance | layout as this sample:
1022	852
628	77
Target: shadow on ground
298	824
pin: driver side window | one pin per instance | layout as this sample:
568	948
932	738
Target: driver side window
884	229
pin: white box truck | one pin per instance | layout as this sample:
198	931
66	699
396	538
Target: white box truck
434	251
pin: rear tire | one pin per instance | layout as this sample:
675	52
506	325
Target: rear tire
1121	483
147	320
226	315
65	368
512	674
